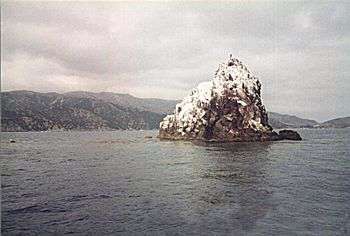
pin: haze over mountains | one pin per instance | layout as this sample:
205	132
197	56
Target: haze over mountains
33	111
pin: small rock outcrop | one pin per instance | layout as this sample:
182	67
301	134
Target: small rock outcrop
227	108
289	135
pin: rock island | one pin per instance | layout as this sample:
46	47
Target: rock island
226	109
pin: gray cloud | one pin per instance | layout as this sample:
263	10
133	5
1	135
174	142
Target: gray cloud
300	50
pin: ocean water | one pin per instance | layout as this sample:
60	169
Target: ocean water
121	183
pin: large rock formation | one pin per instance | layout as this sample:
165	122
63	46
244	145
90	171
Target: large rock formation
227	108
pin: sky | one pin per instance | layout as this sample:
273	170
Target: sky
299	50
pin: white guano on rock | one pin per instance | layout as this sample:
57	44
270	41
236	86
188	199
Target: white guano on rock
226	108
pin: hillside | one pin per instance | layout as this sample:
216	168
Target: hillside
343	122
26	111
156	105
279	121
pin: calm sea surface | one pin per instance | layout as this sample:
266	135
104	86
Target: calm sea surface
119	182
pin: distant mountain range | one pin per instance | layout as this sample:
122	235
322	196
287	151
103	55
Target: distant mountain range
33	111
343	122
156	105
279	121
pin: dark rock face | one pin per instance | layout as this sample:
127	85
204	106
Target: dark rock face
227	108
289	135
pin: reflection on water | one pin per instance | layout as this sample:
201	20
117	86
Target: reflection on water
235	187
120	182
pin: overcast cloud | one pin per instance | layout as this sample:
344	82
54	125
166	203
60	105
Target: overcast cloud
299	50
